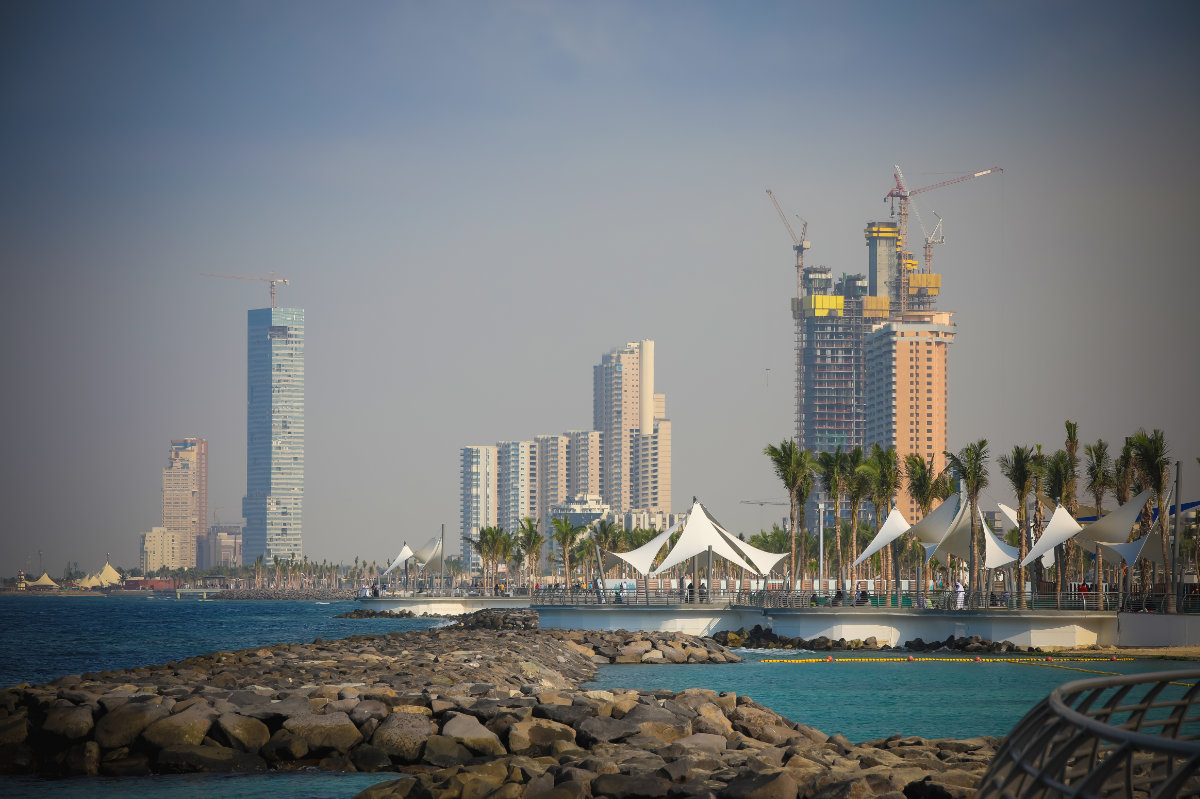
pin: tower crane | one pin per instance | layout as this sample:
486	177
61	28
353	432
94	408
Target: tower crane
900	196
799	243
272	280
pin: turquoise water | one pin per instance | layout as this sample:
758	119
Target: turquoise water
44	638
881	697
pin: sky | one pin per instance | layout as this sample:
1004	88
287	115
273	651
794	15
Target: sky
474	201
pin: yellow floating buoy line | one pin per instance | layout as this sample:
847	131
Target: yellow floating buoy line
912	659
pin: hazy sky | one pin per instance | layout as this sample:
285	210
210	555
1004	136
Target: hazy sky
475	200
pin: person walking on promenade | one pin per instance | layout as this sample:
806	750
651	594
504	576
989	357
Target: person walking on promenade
960	594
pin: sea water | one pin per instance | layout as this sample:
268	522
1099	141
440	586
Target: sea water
47	637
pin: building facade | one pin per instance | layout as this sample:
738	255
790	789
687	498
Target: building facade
185	496
907	398
220	546
274	503
516	483
479	498
163	548
625	408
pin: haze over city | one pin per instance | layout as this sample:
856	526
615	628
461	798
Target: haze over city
473	202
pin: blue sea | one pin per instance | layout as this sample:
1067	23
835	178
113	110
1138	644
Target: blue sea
47	637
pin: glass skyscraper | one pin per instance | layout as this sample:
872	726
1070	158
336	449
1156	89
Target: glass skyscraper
274	501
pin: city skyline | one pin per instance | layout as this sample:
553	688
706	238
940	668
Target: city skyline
467	198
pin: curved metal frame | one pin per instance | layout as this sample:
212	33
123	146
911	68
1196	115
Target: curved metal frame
1089	739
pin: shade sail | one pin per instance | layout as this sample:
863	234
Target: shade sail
405	554
996	553
933	528
893	527
1116	526
429	556
1009	514
44	581
700	533
108	576
765	561
642	557
1060	530
1149	547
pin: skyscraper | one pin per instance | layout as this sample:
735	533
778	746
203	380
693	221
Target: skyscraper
478	492
185	497
516	484
829	379
630	417
274	501
908	390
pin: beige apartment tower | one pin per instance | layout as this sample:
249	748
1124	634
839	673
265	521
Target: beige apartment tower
185	500
636	434
907	392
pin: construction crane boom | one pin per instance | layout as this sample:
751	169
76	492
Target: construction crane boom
902	193
272	280
799	243
761	502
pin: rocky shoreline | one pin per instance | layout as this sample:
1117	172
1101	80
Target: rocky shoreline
760	638
482	708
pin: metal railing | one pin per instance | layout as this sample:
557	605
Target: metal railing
949	600
639	598
1128	736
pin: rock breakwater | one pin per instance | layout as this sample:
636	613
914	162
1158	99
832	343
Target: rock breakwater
461	712
761	638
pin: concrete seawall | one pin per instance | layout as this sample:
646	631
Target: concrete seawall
1042	628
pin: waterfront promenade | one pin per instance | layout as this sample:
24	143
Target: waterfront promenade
1049	621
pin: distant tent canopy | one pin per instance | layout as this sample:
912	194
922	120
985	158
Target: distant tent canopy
43	582
108	576
700	532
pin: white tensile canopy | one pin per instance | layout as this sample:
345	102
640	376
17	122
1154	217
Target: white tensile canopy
89	582
1130	552
642	557
933	528
430	555
957	541
893	527
1060	530
1116	526
701	532
108	576
405	554
44	581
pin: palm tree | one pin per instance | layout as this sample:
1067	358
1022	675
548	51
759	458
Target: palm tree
1018	469
970	466
1070	500
608	536
857	487
1123	472
529	541
564	536
925	485
1099	470
884	470
1056	468
1152	457
831	468
794	467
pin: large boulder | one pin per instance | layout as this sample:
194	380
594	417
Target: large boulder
403	735
243	732
324	733
469	732
212	759
537	737
71	723
188	728
124	724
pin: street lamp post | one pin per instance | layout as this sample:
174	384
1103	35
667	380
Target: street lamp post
821	544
